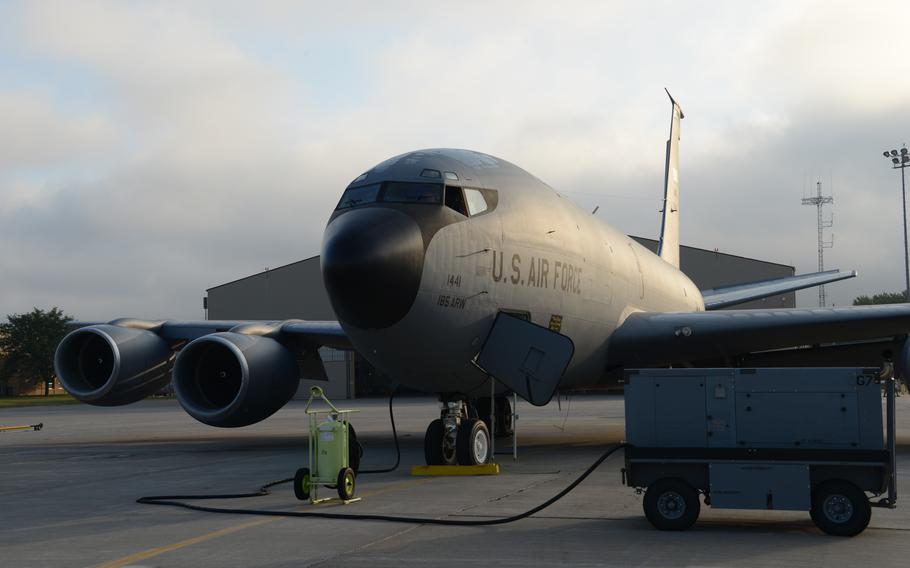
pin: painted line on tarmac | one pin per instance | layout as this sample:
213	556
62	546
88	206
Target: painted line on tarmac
157	551
183	543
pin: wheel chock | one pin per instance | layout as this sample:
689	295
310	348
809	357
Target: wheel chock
484	469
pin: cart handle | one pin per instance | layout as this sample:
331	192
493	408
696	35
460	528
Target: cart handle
316	392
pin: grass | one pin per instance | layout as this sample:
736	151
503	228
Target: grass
22	401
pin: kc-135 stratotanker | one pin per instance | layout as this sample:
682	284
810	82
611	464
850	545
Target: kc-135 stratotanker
451	268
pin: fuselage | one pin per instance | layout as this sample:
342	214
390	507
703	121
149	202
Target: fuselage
427	247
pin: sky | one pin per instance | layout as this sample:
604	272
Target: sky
152	150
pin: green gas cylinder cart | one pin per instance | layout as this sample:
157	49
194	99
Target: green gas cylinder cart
329	453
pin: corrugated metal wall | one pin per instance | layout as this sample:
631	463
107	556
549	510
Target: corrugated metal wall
711	269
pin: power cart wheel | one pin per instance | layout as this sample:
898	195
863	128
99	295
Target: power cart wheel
671	505
346	484
840	508
473	445
302	483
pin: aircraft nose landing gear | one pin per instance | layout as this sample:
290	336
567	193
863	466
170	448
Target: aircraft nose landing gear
473	446
457	439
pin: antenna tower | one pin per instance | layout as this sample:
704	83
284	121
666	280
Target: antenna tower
820	201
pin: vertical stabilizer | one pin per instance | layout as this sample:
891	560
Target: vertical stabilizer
669	227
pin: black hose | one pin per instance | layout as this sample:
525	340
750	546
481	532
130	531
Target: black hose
394	436
264	489
176	501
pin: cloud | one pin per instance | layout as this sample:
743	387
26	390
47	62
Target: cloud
39	136
152	150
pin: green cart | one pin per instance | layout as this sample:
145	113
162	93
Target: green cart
329	453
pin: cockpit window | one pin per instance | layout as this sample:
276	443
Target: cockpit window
404	192
354	196
476	202
455	200
467	201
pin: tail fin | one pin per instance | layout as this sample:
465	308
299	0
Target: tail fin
669	227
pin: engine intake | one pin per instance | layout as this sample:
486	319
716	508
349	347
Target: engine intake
109	365
230	379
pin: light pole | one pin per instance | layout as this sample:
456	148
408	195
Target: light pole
901	160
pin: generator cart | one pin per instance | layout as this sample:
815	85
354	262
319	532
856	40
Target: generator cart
797	439
330	451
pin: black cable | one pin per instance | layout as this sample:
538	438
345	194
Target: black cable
264	490
171	500
394	436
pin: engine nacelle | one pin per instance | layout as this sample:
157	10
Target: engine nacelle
230	379
109	365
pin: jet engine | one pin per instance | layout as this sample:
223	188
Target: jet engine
109	365
229	379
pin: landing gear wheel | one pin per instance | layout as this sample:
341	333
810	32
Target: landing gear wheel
302	484
432	443
355	450
504	423
671	505
483	411
503	414
346	481
840	508
473	446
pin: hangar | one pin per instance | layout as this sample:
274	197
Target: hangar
296	290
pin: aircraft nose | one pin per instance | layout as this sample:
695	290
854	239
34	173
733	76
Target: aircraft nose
372	262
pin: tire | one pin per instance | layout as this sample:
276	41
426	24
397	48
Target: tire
671	505
473	445
483	411
346	483
432	443
302	484
355	450
503	414
840	508
504	423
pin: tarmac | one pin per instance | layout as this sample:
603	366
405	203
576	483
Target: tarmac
67	497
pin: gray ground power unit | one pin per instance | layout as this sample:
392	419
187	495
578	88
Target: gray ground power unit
801	439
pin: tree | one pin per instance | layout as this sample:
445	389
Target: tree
28	342
883	298
4	382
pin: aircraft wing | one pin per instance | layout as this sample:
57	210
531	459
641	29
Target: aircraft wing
321	333
648	339
225	373
717	298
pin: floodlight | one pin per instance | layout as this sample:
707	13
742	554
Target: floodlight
902	162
